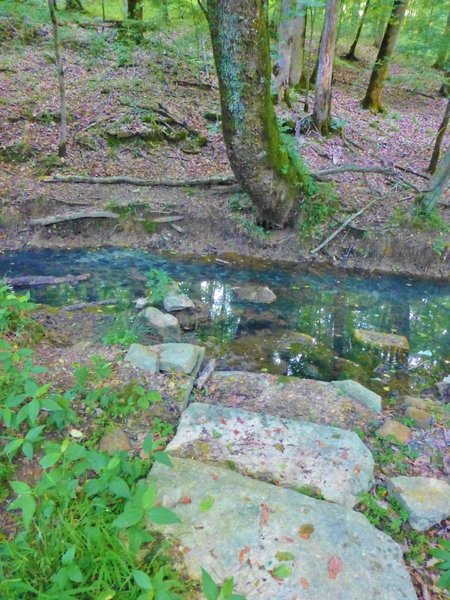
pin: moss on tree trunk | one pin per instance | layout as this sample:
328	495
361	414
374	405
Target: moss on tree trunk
372	99
261	163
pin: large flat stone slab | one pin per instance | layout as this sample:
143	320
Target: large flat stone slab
180	358
278	544
358	392
294	454
143	357
287	397
426	499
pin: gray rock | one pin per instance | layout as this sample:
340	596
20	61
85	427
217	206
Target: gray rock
426	499
278	544
255	293
176	301
287	397
181	358
141	303
166	326
293	454
444	389
358	392
114	441
143	357
421	418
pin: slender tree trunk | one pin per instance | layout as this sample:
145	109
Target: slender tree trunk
60	72
285	41
426	202
378	31
372	99
440	136
135	10
307	71
444	47
261	163
322	100
351	53
298	45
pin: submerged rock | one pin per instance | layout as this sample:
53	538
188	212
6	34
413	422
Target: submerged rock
143	357
426	499
166	326
295	454
358	392
379	339
390	428
255	293
181	358
278	544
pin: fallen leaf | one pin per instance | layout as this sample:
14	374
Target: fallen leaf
282	556
304	583
245	550
305	531
335	566
184	500
265	514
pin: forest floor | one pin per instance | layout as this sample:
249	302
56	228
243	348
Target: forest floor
117	96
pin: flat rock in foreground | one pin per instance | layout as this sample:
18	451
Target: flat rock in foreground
278	544
293	454
288	398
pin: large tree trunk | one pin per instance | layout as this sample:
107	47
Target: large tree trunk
60	72
440	136
298	45
351	53
261	163
135	10
444	46
427	201
372	99
322	101
285	40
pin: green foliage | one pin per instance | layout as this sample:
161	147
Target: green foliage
14	311
158	284
125	330
396	456
443	555
212	591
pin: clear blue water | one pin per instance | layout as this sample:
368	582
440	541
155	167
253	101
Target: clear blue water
323	303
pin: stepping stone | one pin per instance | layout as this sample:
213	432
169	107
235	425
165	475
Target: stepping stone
380	339
426	499
358	392
390	428
299	455
278	544
173	302
287	397
143	357
180	358
115	441
166	326
254	293
421	418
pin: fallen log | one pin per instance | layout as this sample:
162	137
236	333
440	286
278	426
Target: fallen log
73	216
201	181
34	280
82	305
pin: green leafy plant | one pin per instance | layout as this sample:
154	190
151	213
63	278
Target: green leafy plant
212	591
443	555
14	310
158	284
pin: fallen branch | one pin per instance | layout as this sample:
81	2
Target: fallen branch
202	181
205	374
197	84
82	305
74	216
33	280
341	227
352	169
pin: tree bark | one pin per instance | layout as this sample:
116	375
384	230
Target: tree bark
296	70
427	201
135	10
351	53
440	136
444	46
74	6
60	73
372	99
259	159
322	101
285	41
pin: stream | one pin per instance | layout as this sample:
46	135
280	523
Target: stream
323	304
